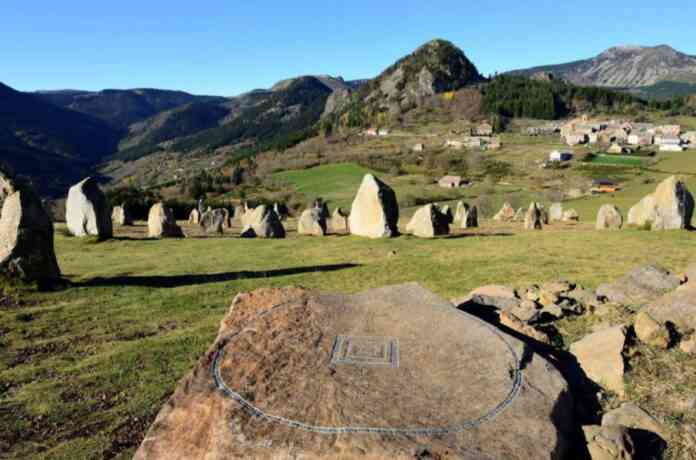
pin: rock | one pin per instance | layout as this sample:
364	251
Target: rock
557	288
678	308
519	215
447	213
506	213
632	416
556	212
688	345
428	222
571	215
26	234
670	207
213	221
609	442
650	332
460	212
690	273
470	219
262	222
640	285
339	221
312	222
121	216
600	357
87	210
350	362
532	219
609	218
495	295
526	311
56	209
511	321
282	211
544	214
161	223
194	217
375	212
418	147
227	218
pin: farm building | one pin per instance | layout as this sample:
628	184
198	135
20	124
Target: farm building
452	182
604	186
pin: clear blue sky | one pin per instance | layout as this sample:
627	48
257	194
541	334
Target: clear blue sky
229	46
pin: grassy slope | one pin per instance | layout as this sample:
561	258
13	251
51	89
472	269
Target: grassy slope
84	371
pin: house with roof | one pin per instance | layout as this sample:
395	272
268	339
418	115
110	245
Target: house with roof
452	182
604	186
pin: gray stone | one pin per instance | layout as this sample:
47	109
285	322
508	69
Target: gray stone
87	210
532	219
213	221
677	307
375	211
609	218
600	357
556	212
428	222
121	216
632	416
639	286
612	442
339	221
312	222
470	219
161	223
670	207
262	222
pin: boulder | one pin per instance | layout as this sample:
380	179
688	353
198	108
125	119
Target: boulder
556	212
651	332
600	357
532	219
611	442
428	222
87	211
670	207
571	215
460	212
609	218
262	222
56	209
544	214
495	295
632	416
375	211
677	307
331	376
312	222
447	213
639	286
471	218
213	221
339	221
26	234
506	213
688	345
161	223
519	215
121	216
194	217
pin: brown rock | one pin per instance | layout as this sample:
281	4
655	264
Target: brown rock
609	442
508	319
506	213
600	356
428	222
650	332
677	307
349	362
632	416
688	345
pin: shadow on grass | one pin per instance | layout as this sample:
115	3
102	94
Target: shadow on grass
172	281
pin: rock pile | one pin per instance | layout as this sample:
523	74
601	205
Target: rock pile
375	211
87	210
26	234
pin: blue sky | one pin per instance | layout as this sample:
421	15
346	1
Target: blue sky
227	47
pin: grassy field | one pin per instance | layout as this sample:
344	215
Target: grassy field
84	370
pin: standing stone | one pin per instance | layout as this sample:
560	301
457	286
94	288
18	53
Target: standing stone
375	211
670	207
446	211
214	221
161	223
556	212
262	222
121	216
470	219
312	222
460	212
532	220
281	211
600	356
571	215
544	214
87	210
506	213
609	218
194	217
519	215
339	221
227	223
428	222
26	234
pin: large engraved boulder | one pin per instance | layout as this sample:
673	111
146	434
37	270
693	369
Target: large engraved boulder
161	223
391	373
375	211
26	234
87	210
262	222
429	222
670	207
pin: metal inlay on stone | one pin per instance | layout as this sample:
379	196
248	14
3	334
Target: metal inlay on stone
365	351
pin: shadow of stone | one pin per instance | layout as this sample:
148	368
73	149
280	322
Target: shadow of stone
173	281
473	235
648	445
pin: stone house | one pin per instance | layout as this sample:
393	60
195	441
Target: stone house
450	182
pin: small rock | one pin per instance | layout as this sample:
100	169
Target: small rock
495	295
516	324
632	416
527	311
609	442
651	332
688	345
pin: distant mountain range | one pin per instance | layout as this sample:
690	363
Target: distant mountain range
658	71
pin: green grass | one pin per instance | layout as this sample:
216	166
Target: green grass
83	371
620	160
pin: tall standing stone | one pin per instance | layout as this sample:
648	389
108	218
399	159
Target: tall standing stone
26	234
609	218
312	221
87	210
532	219
121	216
375	211
428	222
670	207
556	212
194	217
470	219
460	212
161	223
